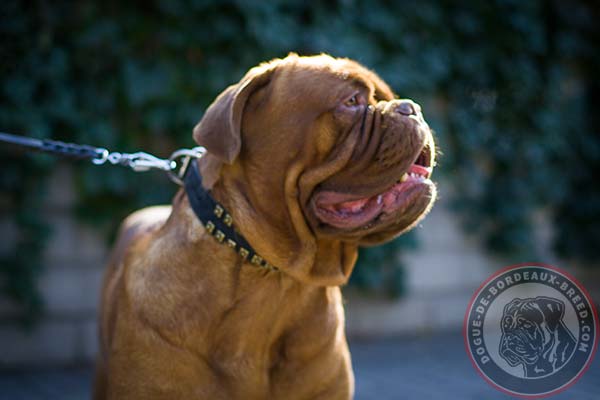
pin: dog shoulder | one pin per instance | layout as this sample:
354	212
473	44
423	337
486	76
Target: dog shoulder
137	224
146	219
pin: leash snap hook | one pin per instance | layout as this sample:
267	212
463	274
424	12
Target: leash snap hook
141	161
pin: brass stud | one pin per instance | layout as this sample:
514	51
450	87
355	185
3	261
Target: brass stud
220	236
228	220
256	260
231	243
270	267
244	253
210	227
218	211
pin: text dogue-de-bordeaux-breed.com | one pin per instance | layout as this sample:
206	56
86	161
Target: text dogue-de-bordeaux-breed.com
307	159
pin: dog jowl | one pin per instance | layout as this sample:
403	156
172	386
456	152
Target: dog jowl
535	336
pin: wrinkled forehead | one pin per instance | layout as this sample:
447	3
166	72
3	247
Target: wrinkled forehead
357	74
327	77
528	310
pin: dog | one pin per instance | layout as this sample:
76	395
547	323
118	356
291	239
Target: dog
307	159
535	336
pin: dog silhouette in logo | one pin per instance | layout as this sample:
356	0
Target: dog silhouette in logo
534	335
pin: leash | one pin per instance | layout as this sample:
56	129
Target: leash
216	220
175	166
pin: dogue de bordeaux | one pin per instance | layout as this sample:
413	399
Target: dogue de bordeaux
307	159
535	336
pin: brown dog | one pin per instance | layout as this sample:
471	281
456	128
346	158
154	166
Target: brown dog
313	157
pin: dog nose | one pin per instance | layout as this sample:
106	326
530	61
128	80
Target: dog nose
406	107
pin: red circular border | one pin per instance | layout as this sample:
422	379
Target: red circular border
579	374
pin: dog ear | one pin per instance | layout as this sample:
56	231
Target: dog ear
552	309
219	130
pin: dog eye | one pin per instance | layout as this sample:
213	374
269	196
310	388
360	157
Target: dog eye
352	101
356	100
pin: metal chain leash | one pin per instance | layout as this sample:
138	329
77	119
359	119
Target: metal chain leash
175	166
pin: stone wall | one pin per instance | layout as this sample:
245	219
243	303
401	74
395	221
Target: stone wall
70	285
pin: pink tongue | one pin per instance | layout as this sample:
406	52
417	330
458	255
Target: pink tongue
388	197
419	170
354	205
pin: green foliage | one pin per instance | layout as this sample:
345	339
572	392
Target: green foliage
509	86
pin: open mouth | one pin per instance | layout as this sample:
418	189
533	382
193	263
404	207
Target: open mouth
344	211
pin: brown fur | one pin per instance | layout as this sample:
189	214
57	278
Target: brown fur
183	317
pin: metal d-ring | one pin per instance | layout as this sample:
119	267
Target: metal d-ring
181	159
102	156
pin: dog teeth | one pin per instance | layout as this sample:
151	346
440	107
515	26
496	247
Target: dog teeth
379	199
416	176
404	177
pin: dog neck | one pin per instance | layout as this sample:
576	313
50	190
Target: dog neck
275	227
217	221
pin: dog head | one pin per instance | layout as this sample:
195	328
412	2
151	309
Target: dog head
317	156
532	331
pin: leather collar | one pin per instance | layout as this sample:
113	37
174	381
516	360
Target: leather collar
216	220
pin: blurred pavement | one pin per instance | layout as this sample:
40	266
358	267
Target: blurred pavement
431	367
